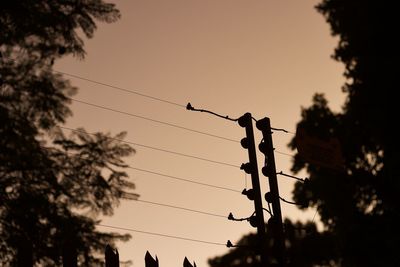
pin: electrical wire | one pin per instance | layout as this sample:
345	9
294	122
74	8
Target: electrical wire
279	130
162	235
156	148
176	178
230	245
286	201
172	206
120	88
268	210
152	120
181	208
232	218
185	180
165	123
291	176
190	107
283	153
313	218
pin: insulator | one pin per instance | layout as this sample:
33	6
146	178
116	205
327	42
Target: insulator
263	147
247	167
265	171
253	221
268	197
245	143
243	121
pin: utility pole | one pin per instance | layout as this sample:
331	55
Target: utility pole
275	224
251	168
269	170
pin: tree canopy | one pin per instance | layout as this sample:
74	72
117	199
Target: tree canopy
357	205
305	247
53	186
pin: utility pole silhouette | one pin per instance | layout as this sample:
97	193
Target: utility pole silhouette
275	225
269	170
254	194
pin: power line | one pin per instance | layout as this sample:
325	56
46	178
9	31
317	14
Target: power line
167	123
313	218
176	178
156	148
163	235
153	120
282	130
185	180
291	176
286	201
173	177
181	208
120	88
283	153
190	107
135	196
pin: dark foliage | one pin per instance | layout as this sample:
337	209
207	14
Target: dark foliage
305	247
359	206
52	186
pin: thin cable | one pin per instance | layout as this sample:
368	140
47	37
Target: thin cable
291	176
173	177
289	202
285	154
270	210
181	208
314	215
274	129
156	148
230	245
279	130
185	180
153	120
163	235
267	210
232	218
135	197
190	107
120	88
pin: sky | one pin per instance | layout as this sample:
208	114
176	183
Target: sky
265	57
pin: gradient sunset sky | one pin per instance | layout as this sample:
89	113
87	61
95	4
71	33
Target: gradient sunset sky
267	57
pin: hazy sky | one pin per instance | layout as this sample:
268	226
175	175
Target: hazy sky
229	56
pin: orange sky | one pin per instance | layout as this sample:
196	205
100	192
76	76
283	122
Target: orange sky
229	56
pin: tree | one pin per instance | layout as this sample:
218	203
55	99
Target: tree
52	186
358	205
305	248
